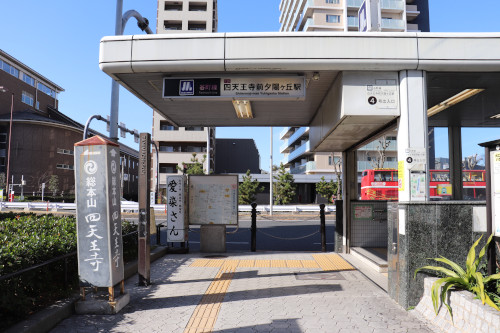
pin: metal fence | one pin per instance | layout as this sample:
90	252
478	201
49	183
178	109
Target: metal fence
133	207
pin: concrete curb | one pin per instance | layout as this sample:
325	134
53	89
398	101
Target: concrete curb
46	319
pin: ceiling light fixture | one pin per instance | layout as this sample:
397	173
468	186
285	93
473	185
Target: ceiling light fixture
315	76
497	116
461	96
243	108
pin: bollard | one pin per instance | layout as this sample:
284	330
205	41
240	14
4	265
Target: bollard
254	227
323	227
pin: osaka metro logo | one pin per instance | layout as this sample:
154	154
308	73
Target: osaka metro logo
186	88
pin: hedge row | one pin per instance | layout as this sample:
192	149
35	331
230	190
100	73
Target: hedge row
27	240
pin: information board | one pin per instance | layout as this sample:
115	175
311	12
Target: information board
213	199
495	190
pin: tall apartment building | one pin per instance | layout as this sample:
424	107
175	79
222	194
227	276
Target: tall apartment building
176	145
341	16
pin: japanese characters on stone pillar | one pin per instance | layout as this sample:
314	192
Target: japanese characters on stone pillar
99	232
176	213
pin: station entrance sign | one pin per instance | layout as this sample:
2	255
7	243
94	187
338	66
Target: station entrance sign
230	87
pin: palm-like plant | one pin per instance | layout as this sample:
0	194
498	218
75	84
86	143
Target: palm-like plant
456	277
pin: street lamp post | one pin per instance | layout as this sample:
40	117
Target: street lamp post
121	21
3	89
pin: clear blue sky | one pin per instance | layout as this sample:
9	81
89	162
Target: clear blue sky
60	40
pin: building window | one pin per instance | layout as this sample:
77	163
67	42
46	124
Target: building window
168	149
3	137
333	1
37	105
28	79
197	25
64	166
194	128
333	18
173	6
27	98
46	90
197	6
168	168
64	151
2	161
391	138
330	160
166	126
9	69
172	25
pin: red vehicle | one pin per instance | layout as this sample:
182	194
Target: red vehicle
382	184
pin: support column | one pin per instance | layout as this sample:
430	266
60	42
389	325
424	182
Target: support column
455	149
413	147
144	239
349	193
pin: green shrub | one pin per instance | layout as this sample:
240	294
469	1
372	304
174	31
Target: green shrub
27	240
470	278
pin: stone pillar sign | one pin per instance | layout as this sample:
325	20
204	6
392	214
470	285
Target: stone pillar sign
97	187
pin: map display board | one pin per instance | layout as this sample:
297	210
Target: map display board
213	200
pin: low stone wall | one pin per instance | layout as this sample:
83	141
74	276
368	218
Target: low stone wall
469	314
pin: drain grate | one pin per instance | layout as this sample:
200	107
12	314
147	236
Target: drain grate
319	276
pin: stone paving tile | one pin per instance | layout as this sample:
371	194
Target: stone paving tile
257	300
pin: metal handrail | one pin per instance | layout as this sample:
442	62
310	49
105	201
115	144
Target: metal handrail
134	207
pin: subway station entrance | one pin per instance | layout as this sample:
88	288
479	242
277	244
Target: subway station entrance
358	87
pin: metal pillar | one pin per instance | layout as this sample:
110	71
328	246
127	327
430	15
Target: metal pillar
455	149
144	261
349	193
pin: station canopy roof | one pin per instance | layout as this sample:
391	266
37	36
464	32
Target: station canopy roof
454	62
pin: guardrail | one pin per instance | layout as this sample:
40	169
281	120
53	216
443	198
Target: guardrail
133	207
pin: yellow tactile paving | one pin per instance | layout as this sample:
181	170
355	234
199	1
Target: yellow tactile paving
332	262
246	263
294	263
205	314
327	262
278	263
262	263
309	264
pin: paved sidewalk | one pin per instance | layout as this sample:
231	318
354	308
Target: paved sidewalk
258	292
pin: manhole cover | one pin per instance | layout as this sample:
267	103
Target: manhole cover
319	276
215	256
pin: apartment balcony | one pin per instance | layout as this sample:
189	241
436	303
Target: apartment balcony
393	24
354	3
372	146
302	150
352	22
393	5
293	138
286	132
412	27
390	5
304	168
